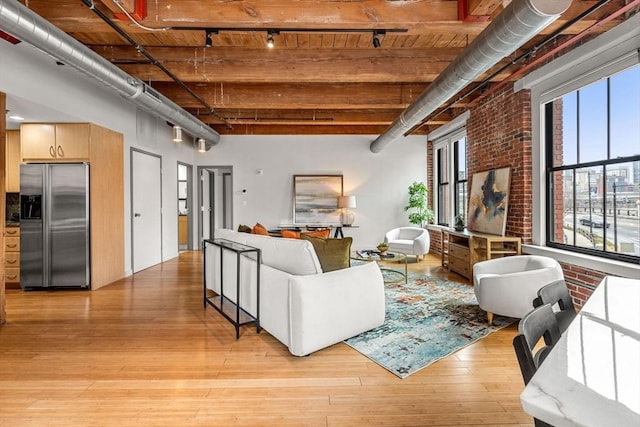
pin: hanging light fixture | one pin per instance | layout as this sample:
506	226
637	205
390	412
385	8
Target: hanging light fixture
177	134
202	146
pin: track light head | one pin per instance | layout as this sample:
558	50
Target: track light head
270	42
376	38
208	42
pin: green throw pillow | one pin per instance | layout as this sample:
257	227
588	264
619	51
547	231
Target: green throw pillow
333	254
244	228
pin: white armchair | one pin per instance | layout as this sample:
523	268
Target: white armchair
409	241
507	286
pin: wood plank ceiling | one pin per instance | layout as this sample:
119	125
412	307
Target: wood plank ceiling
323	76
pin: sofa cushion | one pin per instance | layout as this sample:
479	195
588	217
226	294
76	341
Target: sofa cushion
332	253
290	234
244	228
260	229
292	256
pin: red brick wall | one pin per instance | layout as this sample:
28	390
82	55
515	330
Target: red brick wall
499	135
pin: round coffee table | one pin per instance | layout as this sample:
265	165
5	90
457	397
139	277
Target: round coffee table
369	256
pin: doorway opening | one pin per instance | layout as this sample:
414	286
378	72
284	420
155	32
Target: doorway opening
215	197
185	213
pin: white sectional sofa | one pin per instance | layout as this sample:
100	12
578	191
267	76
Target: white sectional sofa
301	306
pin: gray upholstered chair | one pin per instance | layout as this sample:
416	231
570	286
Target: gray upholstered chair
557	294
409	240
537	324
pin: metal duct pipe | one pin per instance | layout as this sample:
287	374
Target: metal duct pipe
21	22
518	22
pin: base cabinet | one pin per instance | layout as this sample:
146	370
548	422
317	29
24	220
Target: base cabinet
12	257
462	249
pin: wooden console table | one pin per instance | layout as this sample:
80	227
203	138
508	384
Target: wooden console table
462	249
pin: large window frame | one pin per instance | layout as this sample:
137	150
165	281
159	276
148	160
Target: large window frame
607	54
450	177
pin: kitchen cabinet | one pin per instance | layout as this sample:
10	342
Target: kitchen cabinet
12	162
55	141
103	149
462	249
12	257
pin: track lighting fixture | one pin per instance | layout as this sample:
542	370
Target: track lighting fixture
270	42
202	146
376	38
177	134
208	42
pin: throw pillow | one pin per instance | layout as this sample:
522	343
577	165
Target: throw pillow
289	234
260	229
244	228
323	234
333	254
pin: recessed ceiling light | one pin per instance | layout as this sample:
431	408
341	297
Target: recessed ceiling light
17	118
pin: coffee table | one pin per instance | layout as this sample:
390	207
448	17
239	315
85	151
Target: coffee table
370	256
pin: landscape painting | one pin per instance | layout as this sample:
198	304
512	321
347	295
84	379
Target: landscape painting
488	201
315	199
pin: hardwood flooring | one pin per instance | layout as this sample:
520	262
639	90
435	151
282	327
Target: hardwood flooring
143	352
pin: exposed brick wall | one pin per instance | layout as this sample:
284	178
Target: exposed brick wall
435	245
499	135
581	282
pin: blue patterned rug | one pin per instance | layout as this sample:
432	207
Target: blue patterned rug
427	319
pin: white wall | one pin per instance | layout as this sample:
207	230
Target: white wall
379	181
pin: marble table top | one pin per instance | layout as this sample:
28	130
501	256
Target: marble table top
592	375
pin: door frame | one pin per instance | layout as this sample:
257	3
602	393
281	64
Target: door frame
225	198
131	213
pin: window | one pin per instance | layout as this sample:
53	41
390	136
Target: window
450	177
592	151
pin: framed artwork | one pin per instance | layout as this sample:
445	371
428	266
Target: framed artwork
315	199
488	201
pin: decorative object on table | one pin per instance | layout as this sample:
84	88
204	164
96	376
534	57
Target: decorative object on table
421	214
382	247
426	319
488	201
315	199
459	224
346	216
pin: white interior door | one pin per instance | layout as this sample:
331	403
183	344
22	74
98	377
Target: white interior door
146	204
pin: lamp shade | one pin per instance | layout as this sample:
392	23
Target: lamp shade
347	202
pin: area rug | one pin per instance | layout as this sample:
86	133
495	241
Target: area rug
427	319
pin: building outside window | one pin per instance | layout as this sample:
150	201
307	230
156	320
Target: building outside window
450	177
592	162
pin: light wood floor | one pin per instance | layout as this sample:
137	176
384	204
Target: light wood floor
144	352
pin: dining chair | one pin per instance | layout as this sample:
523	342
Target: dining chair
557	294
540	323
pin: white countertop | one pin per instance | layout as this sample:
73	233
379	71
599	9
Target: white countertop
592	375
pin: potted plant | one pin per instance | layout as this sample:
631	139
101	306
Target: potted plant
459	223
418	203
382	247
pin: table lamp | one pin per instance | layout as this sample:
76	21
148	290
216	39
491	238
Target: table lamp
345	203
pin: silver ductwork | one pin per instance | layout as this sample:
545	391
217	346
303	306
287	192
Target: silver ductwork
24	24
518	23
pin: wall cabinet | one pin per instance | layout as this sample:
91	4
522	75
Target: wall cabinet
55	142
462	249
12	255
12	162
103	149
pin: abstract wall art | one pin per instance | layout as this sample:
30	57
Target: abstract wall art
315	199
488	201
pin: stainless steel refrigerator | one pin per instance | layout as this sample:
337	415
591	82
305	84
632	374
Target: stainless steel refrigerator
54	225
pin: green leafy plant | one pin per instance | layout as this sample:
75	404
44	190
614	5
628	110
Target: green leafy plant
418	203
459	224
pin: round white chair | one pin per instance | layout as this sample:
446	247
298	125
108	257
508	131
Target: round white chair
507	286
409	240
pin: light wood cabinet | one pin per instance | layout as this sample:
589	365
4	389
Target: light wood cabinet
12	255
462	249
12	162
55	142
183	230
103	149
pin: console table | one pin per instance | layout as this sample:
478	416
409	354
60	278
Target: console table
231	310
462	249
